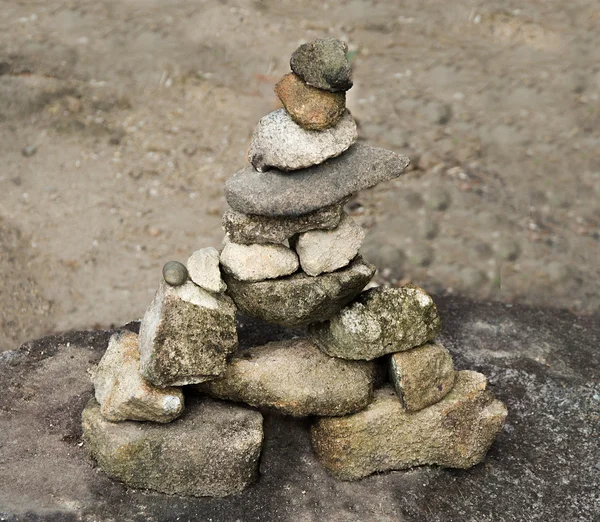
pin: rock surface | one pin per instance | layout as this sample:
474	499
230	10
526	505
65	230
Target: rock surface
121	391
276	193
325	251
186	335
299	299
295	378
381	320
309	107
422	376
174	273
323	64
258	262
279	142
454	433
203	268
213	450
248	229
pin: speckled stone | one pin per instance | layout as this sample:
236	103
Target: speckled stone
258	262
279	142
454	433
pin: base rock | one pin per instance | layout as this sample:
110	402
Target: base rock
454	433
212	450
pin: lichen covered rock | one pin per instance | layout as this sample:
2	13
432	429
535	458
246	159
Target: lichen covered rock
381	320
295	378
454	433
213	450
186	335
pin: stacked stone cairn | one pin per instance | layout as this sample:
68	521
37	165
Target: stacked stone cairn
290	257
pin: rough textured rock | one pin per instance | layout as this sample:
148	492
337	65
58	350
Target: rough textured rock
454	433
544	364
276	193
323	64
122	392
309	107
249	229
258	262
422	376
281	143
295	378
213	450
325	251
299	299
186	335
381	320
203	267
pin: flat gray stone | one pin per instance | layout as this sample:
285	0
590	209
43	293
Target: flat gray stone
249	229
275	193
203	269
422	376
123	394
295	378
323	251
299	299
258	262
279	142
381	320
323	63
186	335
213	450
454	433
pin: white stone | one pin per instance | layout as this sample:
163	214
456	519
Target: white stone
323	251
258	262
203	268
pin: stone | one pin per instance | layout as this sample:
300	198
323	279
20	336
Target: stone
186	335
175	273
121	391
299	299
248	229
213	450
279	142
454	433
381	320
258	262
295	378
203	268
327	250
311	108
422	376
323	64
276	193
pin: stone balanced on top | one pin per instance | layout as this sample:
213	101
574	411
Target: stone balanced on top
290	257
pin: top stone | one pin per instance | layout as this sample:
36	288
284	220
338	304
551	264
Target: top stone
275	193
323	64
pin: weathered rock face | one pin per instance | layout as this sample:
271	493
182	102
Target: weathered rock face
213	450
325	251
186	335
295	378
381	320
454	433
122	392
280	142
323	64
275	193
203	268
309	107
300	299
250	229
422	376
258	262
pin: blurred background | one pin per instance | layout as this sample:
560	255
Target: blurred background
121	120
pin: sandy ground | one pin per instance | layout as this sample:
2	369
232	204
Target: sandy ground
121	120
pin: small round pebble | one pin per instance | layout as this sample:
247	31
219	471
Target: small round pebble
175	273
